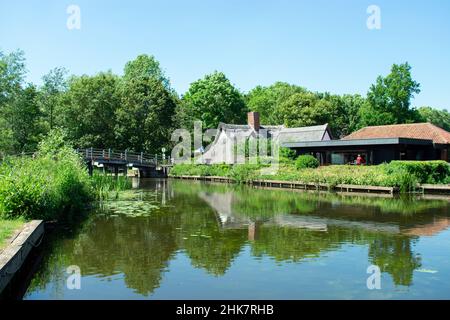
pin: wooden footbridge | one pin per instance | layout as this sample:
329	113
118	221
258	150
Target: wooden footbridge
113	161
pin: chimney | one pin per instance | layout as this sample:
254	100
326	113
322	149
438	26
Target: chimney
253	120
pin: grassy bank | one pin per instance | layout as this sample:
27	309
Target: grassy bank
7	228
404	175
53	184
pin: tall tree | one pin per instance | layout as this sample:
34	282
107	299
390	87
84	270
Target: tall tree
12	73
304	109
265	100
145	117
213	99
389	99
87	110
54	85
145	66
345	113
22	116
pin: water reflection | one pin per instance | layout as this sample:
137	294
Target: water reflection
134	239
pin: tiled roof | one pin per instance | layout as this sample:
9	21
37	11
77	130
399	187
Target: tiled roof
426	131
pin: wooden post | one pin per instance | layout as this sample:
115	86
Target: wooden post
253	231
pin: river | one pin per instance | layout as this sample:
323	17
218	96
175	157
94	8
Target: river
170	239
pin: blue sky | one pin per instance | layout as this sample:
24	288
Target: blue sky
323	45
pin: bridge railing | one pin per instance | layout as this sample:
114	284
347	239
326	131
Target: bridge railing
125	156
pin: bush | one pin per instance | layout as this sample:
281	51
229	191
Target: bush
306	161
287	154
425	171
242	173
52	185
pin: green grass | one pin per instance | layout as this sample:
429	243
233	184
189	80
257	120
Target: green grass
7	228
403	175
106	187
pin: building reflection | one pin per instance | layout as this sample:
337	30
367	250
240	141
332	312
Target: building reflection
212	224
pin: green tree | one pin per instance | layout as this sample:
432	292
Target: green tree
345	112
145	117
440	118
12	73
87	110
54	85
22	117
212	100
304	109
389	99
266	100
145	66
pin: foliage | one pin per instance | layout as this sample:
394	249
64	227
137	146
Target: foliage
266	100
212	100
219	170
389	99
12	74
55	84
304	109
145	116
50	186
344	115
87	110
306	161
144	67
397	174
425	171
22	116
440	118
287	153
109	187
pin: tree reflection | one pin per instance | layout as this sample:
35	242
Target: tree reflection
395	256
212	224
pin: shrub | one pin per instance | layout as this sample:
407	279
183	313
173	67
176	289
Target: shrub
244	172
52	185
306	161
287	154
424	171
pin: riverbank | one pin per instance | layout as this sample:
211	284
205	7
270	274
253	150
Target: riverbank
15	253
7	230
398	176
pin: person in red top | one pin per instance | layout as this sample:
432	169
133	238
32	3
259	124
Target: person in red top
360	160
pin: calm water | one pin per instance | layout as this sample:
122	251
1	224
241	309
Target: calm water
188	240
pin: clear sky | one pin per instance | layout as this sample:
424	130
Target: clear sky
323	45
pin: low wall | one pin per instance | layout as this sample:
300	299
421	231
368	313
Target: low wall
15	254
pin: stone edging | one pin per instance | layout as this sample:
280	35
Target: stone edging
13	256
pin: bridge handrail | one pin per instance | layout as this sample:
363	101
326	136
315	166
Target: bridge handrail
114	155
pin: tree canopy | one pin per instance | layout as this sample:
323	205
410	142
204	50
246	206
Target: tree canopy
266	100
212	100
139	110
389	99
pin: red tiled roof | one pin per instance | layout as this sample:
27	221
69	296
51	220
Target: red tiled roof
426	131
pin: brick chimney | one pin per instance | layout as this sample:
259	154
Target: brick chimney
253	120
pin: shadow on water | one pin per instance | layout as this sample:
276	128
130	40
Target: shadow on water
133	240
